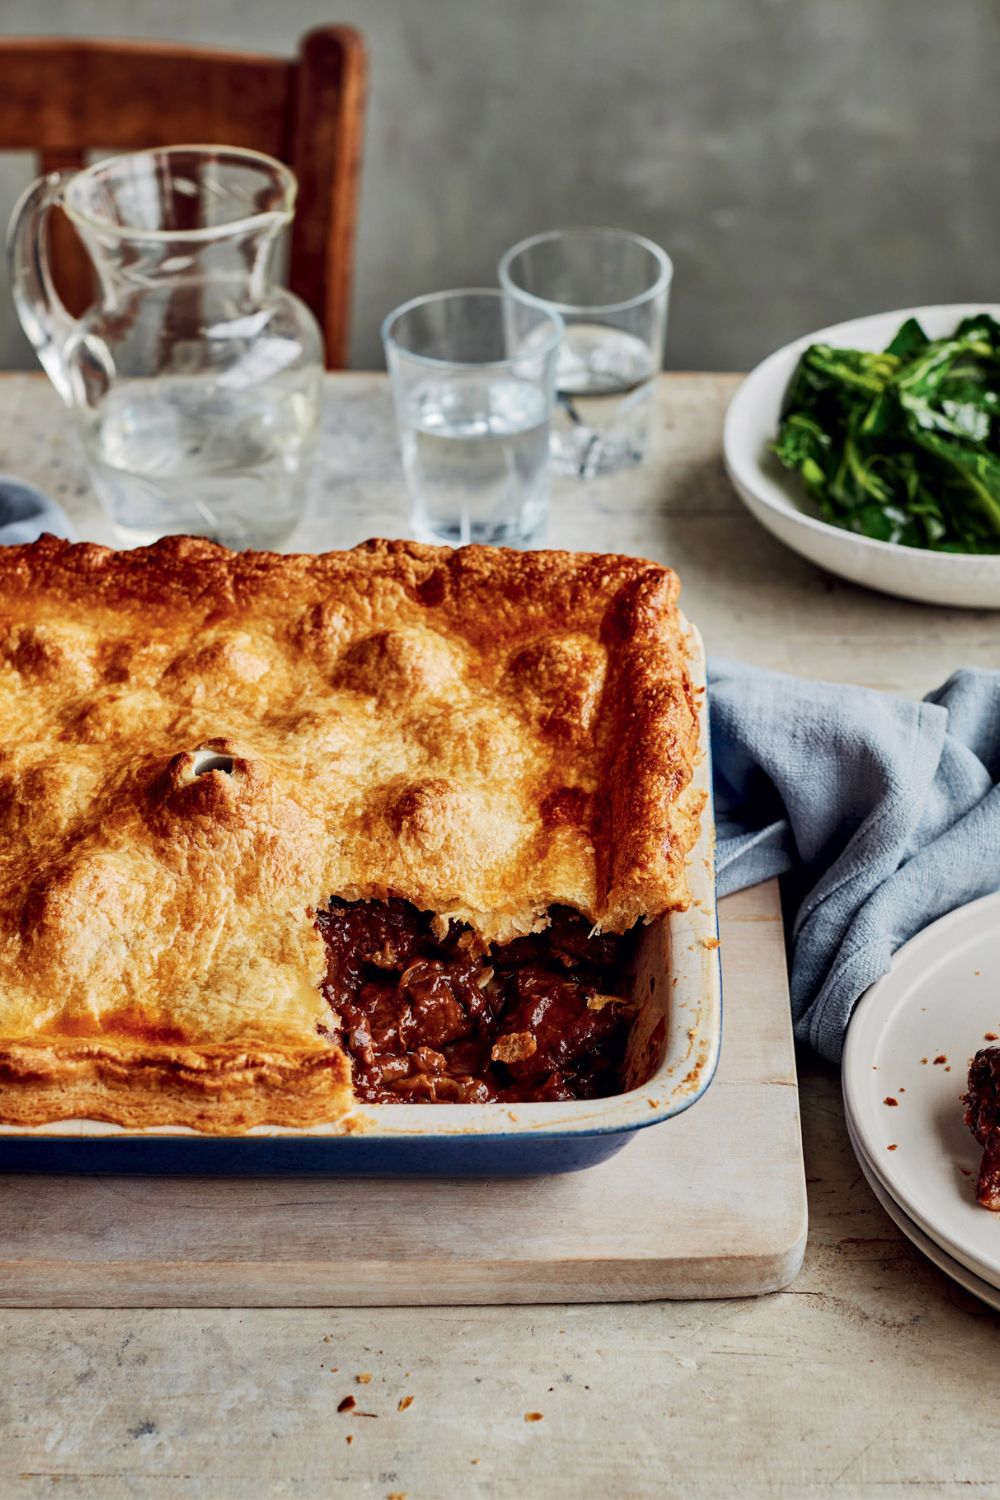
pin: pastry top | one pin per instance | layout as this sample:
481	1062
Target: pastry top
198	748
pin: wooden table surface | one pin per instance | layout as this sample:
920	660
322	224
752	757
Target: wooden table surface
869	1376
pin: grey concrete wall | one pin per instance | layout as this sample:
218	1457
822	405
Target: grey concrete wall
802	160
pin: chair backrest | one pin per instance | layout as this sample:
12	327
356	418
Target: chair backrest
63	97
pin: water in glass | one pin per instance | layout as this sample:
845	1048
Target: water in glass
611	289
473	376
177	455
604	379
476	457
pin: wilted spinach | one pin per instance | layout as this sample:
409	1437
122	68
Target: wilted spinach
902	445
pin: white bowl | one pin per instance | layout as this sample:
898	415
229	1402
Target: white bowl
775	497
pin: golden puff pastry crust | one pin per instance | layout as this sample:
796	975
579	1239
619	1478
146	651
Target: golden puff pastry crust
199	748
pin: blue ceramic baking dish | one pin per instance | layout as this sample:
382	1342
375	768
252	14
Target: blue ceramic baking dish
672	1055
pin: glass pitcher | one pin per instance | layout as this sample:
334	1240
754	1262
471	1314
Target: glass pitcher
194	380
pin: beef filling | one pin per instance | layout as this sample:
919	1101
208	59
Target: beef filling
446	1019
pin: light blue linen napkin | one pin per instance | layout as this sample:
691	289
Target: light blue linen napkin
25	513
885	812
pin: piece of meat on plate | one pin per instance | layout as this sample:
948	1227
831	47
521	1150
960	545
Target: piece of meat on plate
982	1115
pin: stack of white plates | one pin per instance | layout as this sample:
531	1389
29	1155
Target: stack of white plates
906	1064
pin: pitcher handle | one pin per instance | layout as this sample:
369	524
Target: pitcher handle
43	317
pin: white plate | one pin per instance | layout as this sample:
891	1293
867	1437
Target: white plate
940	1258
939	998
775	496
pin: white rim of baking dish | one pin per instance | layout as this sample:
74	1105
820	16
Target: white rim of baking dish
684	1073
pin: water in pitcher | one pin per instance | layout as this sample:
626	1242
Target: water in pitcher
176	454
605	383
476	455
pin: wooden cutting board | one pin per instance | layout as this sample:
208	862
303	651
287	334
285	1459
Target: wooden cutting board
709	1204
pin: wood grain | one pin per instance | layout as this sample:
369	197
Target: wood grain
710	1204
328	110
63	97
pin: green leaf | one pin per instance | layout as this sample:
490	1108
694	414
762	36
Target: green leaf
910	340
980	328
978	469
902	444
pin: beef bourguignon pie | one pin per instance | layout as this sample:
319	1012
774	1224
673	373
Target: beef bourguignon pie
278	833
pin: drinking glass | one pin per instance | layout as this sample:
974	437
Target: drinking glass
473	376
611	290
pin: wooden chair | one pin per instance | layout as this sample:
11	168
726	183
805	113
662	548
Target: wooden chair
62	97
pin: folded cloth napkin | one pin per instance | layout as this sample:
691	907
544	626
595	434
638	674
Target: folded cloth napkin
25	513
885	813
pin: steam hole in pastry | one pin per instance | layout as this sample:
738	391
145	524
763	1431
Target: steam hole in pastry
210	760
